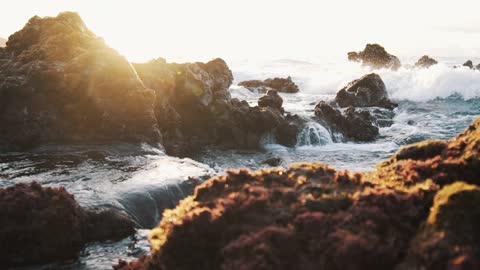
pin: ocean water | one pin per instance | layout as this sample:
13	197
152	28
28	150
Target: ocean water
434	103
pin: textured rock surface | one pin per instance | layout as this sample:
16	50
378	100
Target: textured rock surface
425	62
285	85
376	57
40	225
194	108
61	83
368	91
354	125
310	216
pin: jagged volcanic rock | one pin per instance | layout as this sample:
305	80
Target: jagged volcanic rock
425	62
41	225
368	91
376	57
285	85
61	83
310	216
354	125
194	106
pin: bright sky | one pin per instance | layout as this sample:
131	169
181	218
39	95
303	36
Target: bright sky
203	29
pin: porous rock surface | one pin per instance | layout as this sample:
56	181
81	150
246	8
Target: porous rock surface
418	209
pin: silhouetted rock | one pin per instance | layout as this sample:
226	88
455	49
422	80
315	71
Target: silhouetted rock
41	225
425	62
271	99
310	216
61	83
468	64
376	57
284	85
354	125
368	91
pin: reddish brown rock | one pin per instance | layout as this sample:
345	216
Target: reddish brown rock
41	225
310	216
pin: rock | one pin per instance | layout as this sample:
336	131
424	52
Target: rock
477	67
354	125
273	161
468	64
376	57
284	85
425	62
44	225
287	131
453	222
271	99
198	112
61	83
368	91
310	216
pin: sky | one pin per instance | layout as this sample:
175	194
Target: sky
300	29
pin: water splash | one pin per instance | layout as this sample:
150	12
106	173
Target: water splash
314	134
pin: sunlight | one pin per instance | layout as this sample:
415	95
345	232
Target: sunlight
201	30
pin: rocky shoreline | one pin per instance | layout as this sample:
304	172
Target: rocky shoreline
60	83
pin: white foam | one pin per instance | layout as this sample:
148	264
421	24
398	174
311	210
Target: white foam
439	81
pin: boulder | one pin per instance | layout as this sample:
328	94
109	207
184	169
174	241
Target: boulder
42	225
468	64
376	57
353	125
425	62
61	83
368	91
271	99
284	85
310	216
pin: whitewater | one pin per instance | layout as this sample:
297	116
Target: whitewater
434	103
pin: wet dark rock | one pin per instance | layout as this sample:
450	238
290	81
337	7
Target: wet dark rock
286	132
468	64
376	57
61	83
284	85
354	125
273	161
368	91
271	99
194	108
43	224
425	62
403	215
